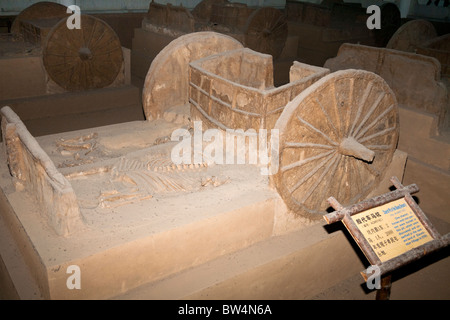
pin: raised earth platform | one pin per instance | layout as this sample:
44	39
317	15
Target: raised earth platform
134	242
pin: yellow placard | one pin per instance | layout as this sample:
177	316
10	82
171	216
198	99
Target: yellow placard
391	229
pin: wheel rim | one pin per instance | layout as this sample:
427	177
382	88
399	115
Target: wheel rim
411	35
336	139
203	9
82	59
162	90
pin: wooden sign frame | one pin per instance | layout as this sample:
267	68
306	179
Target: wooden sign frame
386	267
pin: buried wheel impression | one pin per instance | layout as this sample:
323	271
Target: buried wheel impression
336	139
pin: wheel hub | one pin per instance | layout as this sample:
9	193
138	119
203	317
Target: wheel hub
85	54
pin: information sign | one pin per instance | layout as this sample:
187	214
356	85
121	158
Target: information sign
391	229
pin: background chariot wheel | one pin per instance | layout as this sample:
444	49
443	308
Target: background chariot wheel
336	139
82	59
411	35
266	31
39	10
162	90
203	9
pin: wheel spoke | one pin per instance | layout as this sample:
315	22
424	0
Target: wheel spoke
61	45
65	70
340	178
92	34
324	194
375	135
371	169
327	117
358	180
320	179
310	174
65	55
308	145
305	161
337	109
371	111
351	87
314	129
265	29
107	52
275	25
362	132
98	41
72	40
360	106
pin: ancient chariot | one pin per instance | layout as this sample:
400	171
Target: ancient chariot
337	132
89	57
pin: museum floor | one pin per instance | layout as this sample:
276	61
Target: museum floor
427	281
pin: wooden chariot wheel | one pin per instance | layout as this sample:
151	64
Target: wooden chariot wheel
203	9
167	80
266	31
411	35
82	59
39	10
336	139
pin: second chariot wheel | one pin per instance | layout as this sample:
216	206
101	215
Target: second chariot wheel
266	31
39	10
82	59
336	139
203	10
167	80
411	35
